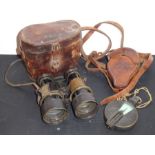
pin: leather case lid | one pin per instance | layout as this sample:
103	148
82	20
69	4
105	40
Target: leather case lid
41	34
41	38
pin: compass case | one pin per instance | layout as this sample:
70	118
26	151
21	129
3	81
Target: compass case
50	48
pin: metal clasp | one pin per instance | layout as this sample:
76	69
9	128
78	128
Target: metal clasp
55	47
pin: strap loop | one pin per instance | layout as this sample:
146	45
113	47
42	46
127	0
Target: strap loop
100	54
94	54
117	25
18	84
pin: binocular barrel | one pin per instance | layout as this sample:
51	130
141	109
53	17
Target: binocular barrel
53	110
81	96
52	106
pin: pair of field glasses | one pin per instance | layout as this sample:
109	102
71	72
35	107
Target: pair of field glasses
55	94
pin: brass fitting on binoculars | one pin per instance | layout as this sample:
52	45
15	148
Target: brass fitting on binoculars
77	84
81	96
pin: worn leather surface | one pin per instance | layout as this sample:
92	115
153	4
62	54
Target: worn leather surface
20	114
123	64
50	48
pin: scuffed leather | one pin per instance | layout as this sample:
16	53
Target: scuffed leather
50	48
122	65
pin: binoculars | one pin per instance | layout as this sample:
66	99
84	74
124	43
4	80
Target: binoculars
55	94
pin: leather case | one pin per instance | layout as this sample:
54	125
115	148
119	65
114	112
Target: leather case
50	48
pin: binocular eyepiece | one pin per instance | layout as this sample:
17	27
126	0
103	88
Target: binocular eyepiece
52	97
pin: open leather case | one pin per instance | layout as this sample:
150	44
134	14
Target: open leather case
124	68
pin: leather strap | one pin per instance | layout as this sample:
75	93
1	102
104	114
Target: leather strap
94	56
101	67
115	24
100	55
86	37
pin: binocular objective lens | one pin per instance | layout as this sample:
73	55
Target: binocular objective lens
53	110
84	104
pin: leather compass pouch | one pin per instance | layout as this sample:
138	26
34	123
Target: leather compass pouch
50	48
123	68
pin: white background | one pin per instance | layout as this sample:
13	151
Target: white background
137	18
